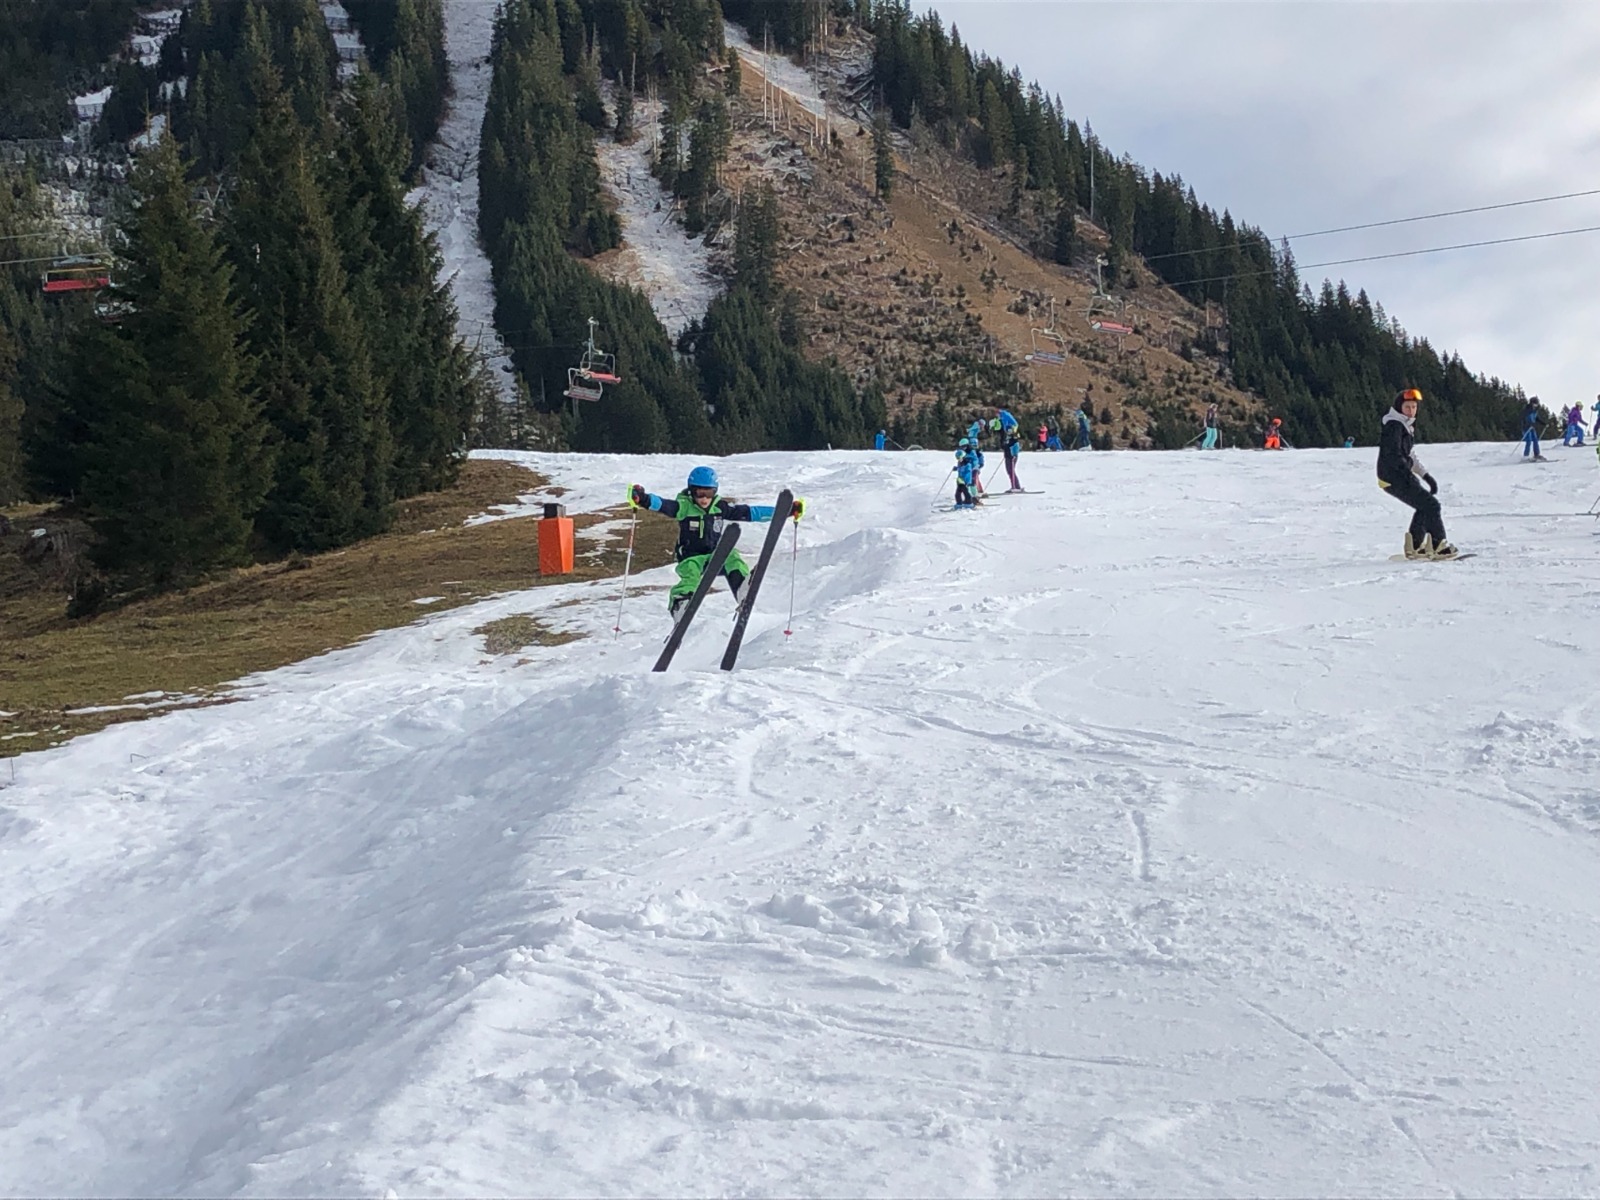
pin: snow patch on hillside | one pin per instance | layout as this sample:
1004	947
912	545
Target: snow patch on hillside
450	183
675	271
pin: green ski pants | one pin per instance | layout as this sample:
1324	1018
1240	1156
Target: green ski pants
690	569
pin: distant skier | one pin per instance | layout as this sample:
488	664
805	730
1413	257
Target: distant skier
880	440
1595	432
1085	435
1398	471
1531	419
975	432
967	474
1573	434
1274	438
1010	434
1350	441
701	514
1210	442
1044	436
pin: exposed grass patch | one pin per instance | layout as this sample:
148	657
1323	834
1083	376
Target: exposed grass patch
190	644
520	630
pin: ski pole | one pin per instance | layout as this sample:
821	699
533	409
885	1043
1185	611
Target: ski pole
794	555
1194	439
616	630
944	481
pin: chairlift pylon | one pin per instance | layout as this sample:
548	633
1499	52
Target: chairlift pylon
595	369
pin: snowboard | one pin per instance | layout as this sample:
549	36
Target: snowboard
714	564
1457	558
780	518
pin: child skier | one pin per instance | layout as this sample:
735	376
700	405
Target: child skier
701	514
1210	442
1398	472
969	468
1274	439
1010	433
1573	436
1531	417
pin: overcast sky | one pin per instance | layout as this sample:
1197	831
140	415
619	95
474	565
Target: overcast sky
1299	115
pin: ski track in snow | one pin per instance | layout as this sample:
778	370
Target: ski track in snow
450	183
1154	835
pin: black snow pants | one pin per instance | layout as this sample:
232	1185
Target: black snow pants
1427	520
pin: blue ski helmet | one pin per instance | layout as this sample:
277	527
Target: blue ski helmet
964	443
703	477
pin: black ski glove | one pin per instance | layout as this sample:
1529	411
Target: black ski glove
1433	488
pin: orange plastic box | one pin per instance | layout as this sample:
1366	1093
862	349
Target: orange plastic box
555	541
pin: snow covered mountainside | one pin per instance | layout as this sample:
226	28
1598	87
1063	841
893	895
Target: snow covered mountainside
1154	834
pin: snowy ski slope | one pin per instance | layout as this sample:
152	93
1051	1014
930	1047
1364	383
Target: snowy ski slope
1155	835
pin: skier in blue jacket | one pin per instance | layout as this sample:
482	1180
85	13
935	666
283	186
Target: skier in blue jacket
968	472
1005	425
701	515
1531	419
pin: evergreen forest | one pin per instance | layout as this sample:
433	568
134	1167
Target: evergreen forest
277	361
735	380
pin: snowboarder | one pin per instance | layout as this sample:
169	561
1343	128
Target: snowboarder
1573	434
1085	437
968	471
1210	442
1531	417
880	440
1274	439
1010	435
701	513
1398	472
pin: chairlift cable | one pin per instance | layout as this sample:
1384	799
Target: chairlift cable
1455	212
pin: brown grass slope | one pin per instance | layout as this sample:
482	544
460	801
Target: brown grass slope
916	292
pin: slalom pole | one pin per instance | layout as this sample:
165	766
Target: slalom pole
616	630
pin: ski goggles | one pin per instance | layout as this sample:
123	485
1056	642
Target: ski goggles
1410	394
699	493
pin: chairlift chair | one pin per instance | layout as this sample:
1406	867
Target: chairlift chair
595	369
1049	347
75	274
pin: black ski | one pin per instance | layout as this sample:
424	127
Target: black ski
780	517
719	555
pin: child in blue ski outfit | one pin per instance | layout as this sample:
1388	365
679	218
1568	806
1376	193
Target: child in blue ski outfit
880	439
701	515
968	472
1010	433
1531	417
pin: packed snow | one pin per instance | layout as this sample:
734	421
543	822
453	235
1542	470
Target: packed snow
1152	835
450	184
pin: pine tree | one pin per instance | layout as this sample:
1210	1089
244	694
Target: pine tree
314	370
882	155
174	464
